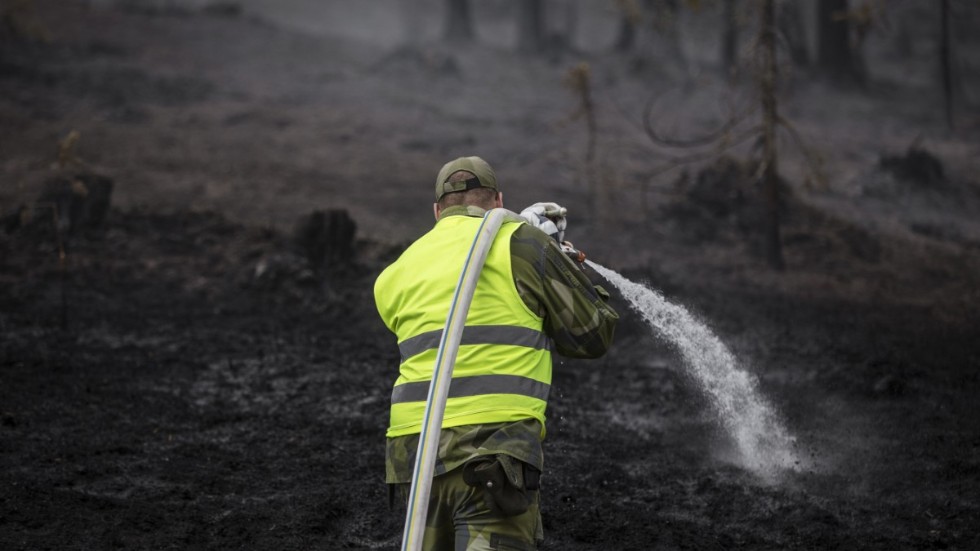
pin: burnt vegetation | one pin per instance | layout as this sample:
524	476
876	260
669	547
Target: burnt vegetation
196	199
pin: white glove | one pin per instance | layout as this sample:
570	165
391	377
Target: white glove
547	217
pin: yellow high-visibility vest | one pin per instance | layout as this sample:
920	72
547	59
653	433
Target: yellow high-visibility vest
503	368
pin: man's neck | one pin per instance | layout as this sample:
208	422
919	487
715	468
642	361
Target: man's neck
462	210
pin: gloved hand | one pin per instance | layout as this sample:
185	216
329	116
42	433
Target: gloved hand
547	217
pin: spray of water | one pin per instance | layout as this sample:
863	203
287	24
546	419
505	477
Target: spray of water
763	444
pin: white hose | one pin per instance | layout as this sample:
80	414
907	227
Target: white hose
442	373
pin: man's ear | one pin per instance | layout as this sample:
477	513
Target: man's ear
500	200
436	210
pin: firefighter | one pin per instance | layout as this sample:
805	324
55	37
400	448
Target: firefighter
531	300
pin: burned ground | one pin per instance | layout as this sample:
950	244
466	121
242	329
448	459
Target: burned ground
205	368
207	390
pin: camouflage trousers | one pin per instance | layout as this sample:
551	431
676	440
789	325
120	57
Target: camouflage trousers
460	518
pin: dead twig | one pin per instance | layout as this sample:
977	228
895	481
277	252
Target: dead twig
699	141
814	160
677	162
68	151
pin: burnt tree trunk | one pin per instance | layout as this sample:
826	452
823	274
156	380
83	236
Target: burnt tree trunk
326	238
789	20
729	39
770	177
835	56
626	36
945	54
530	26
459	23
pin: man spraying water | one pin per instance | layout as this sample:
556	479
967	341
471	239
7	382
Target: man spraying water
530	299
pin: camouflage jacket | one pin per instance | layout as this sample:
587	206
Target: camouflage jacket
577	319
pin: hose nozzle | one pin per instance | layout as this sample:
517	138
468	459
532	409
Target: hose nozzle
572	252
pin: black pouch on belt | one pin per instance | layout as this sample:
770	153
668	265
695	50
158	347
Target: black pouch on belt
502	478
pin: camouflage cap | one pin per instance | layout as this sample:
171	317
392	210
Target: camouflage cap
484	176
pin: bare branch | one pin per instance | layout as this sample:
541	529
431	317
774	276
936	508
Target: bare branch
700	141
813	159
721	148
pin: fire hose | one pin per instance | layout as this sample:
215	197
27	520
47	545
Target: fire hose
435	405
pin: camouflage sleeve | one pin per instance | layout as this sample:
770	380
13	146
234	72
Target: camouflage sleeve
575	312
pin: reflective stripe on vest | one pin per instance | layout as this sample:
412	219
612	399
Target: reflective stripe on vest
477	334
474	386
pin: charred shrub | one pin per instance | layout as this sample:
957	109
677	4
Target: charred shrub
721	189
917	167
74	203
82	201
326	238
723	201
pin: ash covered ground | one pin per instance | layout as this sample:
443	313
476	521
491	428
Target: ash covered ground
204	368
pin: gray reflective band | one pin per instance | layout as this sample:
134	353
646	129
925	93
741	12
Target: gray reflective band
477	334
474	386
